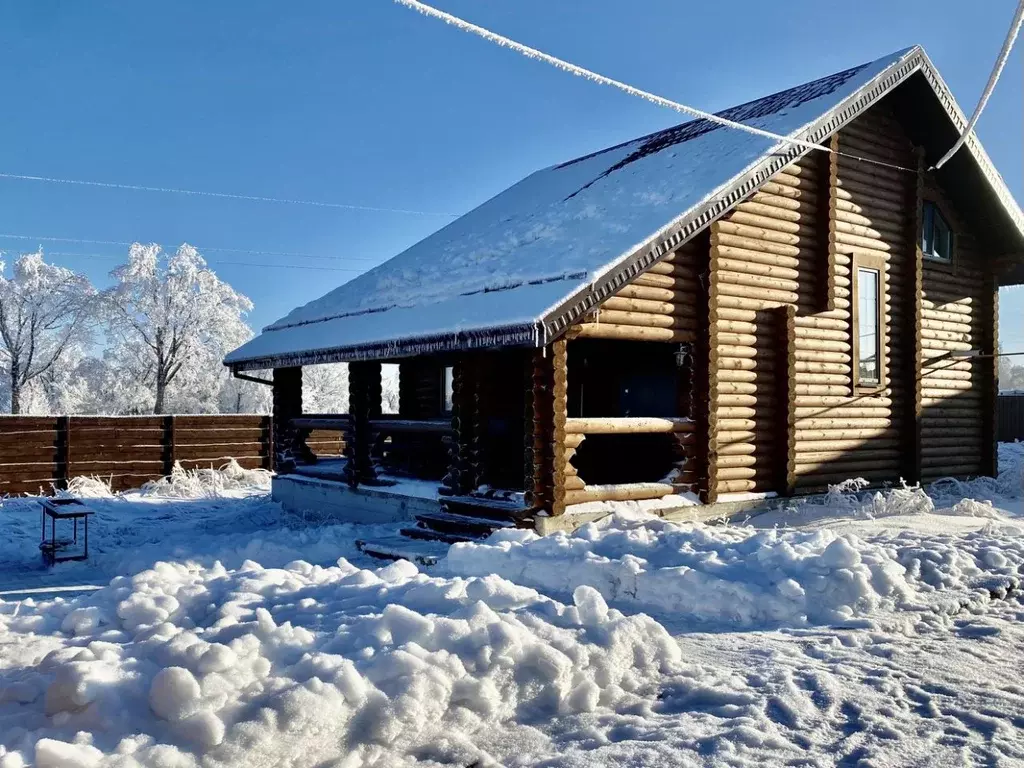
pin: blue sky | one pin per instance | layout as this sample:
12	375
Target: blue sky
371	104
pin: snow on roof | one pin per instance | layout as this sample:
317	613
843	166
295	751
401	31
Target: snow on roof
494	275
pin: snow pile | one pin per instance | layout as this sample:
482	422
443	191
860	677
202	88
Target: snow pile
308	665
207	483
741	577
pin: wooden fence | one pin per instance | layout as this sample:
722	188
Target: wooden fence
1011	418
40	453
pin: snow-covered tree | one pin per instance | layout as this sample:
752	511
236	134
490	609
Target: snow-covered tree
44	313
325	388
170	322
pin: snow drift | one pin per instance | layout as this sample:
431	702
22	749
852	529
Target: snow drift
741	577
307	665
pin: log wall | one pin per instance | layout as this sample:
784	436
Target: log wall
957	396
794	243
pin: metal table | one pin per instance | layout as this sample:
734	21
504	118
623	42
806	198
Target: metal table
63	509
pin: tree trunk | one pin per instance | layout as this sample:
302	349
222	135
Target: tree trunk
161	389
15	387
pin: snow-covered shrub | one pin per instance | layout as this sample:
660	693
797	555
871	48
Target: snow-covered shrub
207	483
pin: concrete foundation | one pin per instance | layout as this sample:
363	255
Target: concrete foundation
297	493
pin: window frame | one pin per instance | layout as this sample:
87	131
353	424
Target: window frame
447	373
873	264
937	209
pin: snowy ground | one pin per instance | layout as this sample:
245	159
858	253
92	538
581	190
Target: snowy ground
878	630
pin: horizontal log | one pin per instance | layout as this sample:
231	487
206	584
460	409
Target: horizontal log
726	276
340	422
734	376
780	186
633	333
671	267
760	269
650	280
761	297
770	224
821	356
817	435
735	486
624	492
815	480
748	301
645	319
620	304
753	244
624	426
657	294
809	447
850	462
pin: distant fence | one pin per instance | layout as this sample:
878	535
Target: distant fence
40	453
1011	418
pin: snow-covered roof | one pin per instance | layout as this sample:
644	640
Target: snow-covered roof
520	267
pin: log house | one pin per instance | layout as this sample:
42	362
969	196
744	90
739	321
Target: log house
798	317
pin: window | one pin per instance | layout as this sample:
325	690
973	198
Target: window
868	324
447	389
936	236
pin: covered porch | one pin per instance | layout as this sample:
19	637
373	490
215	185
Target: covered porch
494	438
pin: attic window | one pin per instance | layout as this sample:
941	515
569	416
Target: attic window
936	235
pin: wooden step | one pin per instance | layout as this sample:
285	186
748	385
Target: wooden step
444	521
429	534
422	551
475	506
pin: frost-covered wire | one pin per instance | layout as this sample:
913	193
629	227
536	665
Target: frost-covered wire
997	70
587	74
223	195
201	248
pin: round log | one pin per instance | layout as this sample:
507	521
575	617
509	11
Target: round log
633	333
762	297
845	446
625	492
657	294
759	269
646	319
626	426
769	211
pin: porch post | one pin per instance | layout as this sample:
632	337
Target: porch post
287	405
464	458
546	452
364	404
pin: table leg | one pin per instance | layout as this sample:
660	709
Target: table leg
87	538
75	521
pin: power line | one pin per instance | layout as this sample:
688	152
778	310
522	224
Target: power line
201	249
993	78
587	74
220	262
223	195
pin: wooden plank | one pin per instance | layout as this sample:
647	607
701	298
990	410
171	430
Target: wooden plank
125	422
246	462
219	420
217	451
28	454
191	436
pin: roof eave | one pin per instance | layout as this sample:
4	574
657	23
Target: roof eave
525	334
